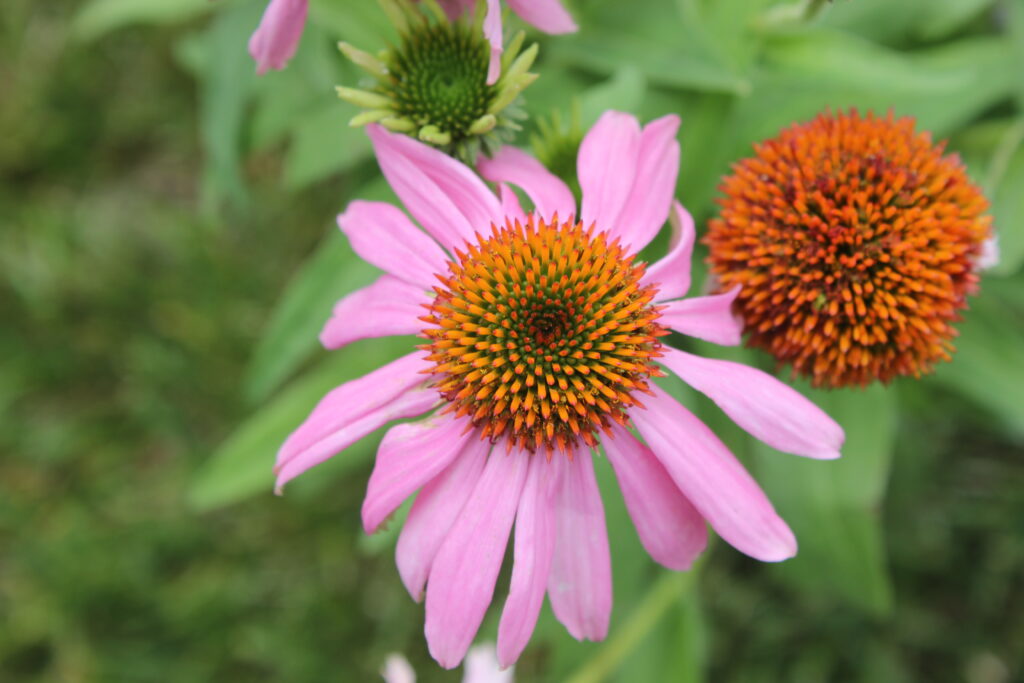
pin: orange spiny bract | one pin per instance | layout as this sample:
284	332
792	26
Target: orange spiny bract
542	334
856	242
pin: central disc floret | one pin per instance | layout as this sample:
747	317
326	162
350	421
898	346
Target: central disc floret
542	333
440	78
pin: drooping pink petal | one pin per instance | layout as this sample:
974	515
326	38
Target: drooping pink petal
705	317
670	528
547	15
546	190
580	582
462	578
275	40
340	411
672	272
482	666
510	204
410	456
397	670
382	235
606	167
435	510
534	545
454	8
386	308
448	199
493	34
654	185
712	479
768	409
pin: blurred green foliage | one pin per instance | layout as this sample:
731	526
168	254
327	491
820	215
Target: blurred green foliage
157	199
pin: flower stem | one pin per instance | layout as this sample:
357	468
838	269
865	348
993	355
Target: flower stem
666	592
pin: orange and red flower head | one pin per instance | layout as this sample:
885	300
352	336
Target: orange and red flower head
856	242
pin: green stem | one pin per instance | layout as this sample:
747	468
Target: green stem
666	592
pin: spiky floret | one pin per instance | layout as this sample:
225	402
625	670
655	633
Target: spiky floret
542	334
856	243
433	84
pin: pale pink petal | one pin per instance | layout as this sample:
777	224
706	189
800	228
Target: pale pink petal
340	412
705	317
448	199
580	583
534	545
493	34
398	670
435	510
606	167
455	8
547	15
670	528
275	40
463	575
382	235
410	455
768	409
386	308
654	185
672	272
482	666
510	204
546	190
712	479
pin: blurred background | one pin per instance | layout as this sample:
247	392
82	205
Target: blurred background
167	256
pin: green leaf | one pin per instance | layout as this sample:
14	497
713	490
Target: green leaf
623	91
96	18
1006	188
323	143
660	44
832	506
904	21
810	71
291	336
988	366
224	92
243	465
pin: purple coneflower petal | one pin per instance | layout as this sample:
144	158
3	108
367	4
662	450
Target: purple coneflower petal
443	195
386	308
705	317
768	409
383	235
672	272
437	506
410	455
493	34
534	545
580	583
275	40
654	185
462	578
546	190
547	15
671	530
712	479
354	409
606	166
397	670
510	203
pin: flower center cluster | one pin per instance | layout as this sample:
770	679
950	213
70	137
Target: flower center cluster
855	241
438	77
542	333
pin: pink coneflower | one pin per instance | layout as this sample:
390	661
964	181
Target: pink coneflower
541	334
547	15
274	41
